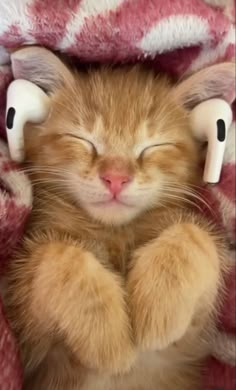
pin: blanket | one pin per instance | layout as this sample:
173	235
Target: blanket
174	36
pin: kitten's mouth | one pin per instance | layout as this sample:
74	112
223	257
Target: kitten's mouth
112	202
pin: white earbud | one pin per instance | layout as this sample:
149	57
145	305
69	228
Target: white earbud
26	102
210	122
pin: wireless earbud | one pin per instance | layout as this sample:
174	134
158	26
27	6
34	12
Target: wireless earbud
26	102
210	122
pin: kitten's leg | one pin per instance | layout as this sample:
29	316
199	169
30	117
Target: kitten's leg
63	291
171	277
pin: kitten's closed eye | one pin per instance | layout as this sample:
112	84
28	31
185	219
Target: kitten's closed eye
151	148
87	143
141	151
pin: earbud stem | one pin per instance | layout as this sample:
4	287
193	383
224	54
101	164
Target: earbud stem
16	143
213	164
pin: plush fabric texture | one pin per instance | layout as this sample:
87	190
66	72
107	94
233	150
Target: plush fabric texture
177	37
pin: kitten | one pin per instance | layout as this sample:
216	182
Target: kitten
115	286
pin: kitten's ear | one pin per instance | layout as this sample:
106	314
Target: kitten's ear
214	81
41	67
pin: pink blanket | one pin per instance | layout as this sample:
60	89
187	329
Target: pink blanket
176	37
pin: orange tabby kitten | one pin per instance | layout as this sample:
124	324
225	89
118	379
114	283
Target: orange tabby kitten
115	287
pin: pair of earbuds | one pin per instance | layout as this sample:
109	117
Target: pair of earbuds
210	121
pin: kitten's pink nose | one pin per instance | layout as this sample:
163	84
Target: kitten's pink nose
115	182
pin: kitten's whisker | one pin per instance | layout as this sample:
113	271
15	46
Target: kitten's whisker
189	193
188	190
197	199
60	178
44	170
179	195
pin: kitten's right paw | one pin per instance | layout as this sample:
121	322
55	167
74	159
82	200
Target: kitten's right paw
87	303
104	332
108	347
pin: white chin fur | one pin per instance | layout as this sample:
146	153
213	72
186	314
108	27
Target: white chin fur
112	215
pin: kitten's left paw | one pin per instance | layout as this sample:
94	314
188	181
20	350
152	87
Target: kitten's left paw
162	304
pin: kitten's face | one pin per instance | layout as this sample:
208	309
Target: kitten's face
118	144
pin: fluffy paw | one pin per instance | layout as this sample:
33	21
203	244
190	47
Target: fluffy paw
103	338
164	287
86	302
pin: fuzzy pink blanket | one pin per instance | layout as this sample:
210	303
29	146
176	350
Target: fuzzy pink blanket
176	37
